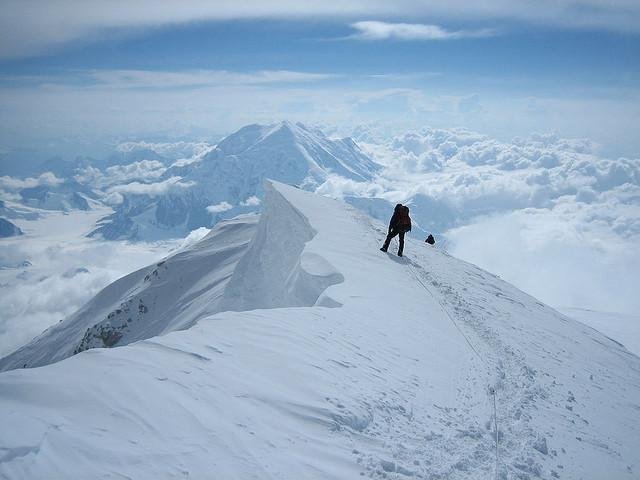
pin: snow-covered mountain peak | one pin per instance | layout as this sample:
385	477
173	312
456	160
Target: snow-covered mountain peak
305	352
305	149
251	135
200	193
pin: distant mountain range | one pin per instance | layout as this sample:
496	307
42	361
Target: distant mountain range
228	180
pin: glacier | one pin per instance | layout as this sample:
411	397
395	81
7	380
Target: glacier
291	347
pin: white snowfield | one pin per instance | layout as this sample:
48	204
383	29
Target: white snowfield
339	362
623	328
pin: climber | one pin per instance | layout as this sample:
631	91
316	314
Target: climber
399	225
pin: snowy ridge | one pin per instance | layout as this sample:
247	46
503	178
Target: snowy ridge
619	327
393	381
170	295
174	293
277	271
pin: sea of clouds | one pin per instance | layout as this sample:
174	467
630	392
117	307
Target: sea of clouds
546	213
41	282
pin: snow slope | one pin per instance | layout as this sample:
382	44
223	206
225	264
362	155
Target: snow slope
622	328
170	295
8	229
340	362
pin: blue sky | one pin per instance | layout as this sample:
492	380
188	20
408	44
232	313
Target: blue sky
132	69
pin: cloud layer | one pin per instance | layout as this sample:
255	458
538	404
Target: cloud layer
55	270
548	214
13	184
31	28
51	108
198	78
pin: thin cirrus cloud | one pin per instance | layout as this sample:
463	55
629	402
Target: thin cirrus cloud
162	79
198	78
374	30
36	27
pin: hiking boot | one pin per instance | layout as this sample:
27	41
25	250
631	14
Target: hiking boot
383	249
399	254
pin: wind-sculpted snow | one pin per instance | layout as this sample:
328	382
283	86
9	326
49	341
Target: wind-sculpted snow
276	271
395	382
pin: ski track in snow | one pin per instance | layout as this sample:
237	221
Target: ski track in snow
517	384
394	381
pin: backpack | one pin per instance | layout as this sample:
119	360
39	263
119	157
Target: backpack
404	221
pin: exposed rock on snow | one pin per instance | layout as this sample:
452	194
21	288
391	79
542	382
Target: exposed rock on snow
8	229
66	196
396	380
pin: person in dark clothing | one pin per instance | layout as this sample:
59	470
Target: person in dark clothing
399	225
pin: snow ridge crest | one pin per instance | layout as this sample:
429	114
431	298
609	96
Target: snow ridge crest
237	267
278	271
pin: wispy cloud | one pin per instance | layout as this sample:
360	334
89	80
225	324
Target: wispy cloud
115	193
11	183
374	30
162	79
219	207
199	78
252	201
